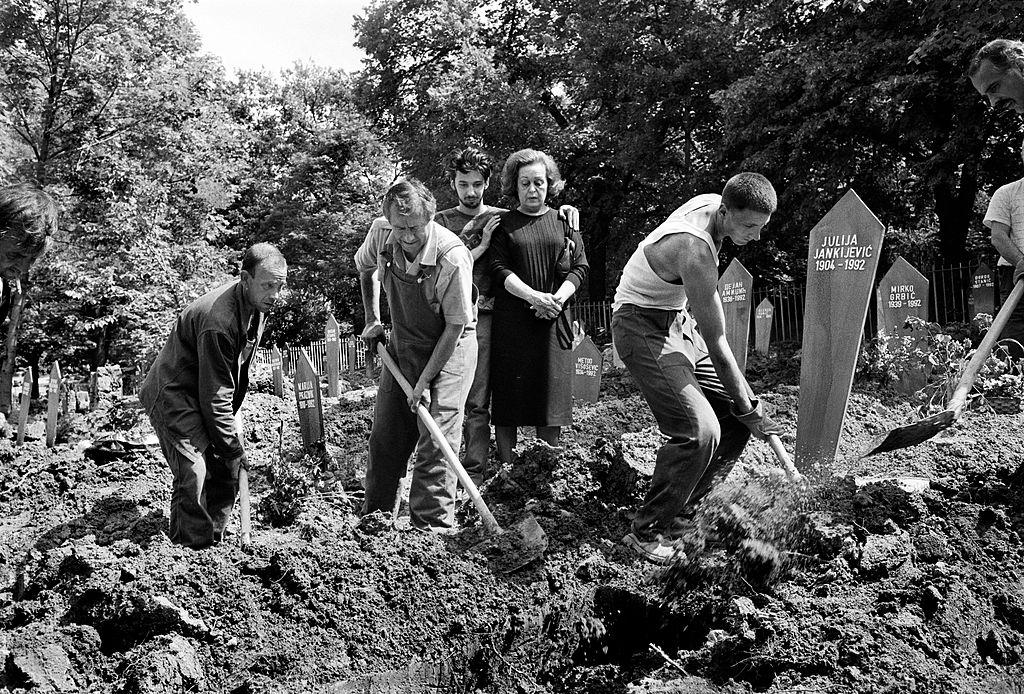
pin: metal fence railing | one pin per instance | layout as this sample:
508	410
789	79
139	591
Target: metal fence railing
949	301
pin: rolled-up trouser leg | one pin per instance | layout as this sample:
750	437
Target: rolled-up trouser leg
477	426
432	490
661	366
392	440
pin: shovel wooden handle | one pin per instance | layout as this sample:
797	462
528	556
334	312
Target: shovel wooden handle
783	457
490	524
981	354
245	515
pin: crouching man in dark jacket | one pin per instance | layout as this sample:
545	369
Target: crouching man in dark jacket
194	391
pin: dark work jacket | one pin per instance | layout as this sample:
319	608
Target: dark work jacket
198	381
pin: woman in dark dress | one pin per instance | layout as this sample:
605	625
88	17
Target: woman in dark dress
538	264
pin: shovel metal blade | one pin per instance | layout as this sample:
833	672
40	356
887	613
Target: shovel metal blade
911	434
516	546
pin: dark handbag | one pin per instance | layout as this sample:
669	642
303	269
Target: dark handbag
563	264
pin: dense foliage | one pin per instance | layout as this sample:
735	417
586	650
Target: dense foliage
167	168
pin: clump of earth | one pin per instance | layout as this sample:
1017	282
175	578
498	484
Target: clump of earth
900	573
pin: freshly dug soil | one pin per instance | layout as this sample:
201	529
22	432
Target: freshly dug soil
848	584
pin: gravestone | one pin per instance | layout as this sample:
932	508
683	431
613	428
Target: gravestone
842	259
277	371
350	349
734	288
52	405
902	293
587	368
763	315
332	356
983	291
307	400
25	403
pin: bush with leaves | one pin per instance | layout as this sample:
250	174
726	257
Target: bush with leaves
929	360
291	480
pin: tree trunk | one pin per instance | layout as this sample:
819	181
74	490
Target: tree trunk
10	350
597	256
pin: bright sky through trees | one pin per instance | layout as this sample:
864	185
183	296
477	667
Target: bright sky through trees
250	34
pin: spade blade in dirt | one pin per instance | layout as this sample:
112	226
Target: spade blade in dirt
518	545
913	434
515	547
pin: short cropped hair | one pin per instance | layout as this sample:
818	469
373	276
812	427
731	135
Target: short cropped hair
28	217
409	196
750	191
525	157
1002	53
469	160
261	253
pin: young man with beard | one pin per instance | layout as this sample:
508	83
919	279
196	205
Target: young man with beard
469	173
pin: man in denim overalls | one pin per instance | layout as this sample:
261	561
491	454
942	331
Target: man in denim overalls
427	274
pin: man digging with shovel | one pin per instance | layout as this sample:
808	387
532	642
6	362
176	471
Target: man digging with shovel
427	273
690	379
194	391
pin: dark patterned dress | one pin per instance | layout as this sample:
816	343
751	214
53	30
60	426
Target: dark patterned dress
531	362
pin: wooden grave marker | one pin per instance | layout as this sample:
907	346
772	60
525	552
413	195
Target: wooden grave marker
734	288
277	371
842	258
332	356
983	292
763	315
307	400
52	405
587	368
902	293
25	403
350	348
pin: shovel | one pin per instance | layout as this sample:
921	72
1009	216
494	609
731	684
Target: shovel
784	459
244	513
913	434
521	545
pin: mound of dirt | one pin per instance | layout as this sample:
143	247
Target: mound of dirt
852	584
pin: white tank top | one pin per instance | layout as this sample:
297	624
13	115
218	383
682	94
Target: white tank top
640	284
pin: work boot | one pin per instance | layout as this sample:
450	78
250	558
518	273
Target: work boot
661	550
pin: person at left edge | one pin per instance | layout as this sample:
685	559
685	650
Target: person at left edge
427	273
194	391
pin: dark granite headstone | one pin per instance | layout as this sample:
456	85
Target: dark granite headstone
763	315
902	293
734	287
586	377
307	400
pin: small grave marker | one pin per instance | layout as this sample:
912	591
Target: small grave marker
350	348
983	291
26	402
52	405
763	315
902	293
332	356
734	288
586	378
277	371
842	258
307	400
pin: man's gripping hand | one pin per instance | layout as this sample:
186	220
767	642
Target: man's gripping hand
372	334
1018	271
761	425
